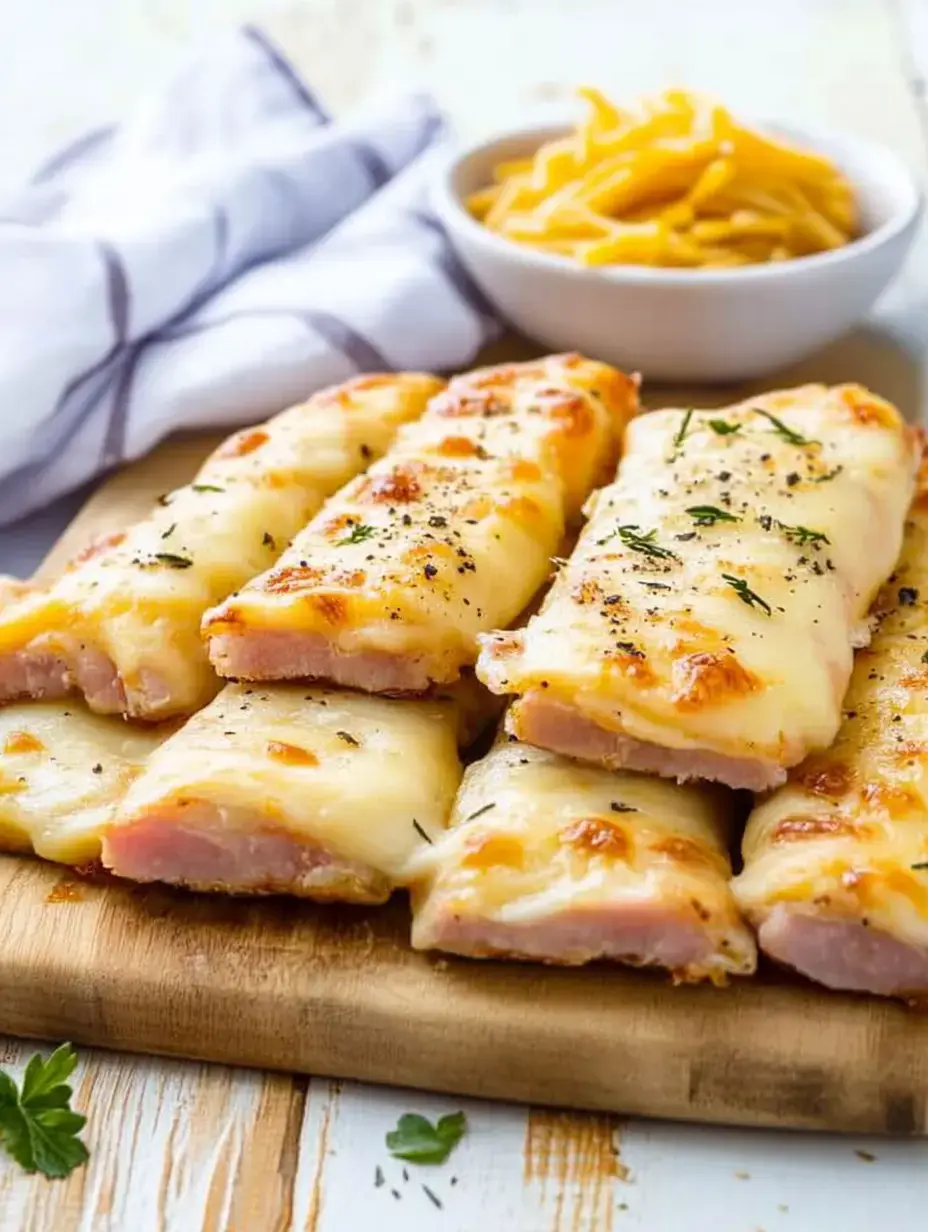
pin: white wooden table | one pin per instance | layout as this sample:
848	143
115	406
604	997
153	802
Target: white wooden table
180	1146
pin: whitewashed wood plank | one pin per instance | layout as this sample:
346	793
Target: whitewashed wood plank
174	1147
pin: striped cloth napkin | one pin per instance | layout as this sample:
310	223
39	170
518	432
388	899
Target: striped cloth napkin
225	251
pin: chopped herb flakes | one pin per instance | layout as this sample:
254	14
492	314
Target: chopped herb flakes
721	427
922	864
801	535
745	594
680	435
170	531
169	559
348	738
637	542
708	515
359	534
783	430
908	596
267	540
205	487
422	834
417	1140
618	807
480	812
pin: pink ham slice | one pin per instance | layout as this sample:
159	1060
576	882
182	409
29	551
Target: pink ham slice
278	654
556	726
844	953
638	934
205	847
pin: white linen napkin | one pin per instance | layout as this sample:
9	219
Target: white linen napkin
225	251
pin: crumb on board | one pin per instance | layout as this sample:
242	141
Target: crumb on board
866	1156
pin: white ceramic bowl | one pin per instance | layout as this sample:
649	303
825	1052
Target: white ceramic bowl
684	324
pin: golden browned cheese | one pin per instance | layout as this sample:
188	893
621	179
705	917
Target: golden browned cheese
452	532
847	836
125	617
549	859
63	770
713	602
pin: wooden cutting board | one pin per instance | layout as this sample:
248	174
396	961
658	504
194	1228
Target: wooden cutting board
338	991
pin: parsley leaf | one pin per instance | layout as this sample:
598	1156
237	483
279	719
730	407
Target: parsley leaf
782	429
721	427
358	534
418	1140
708	515
206	487
37	1127
745	594
172	560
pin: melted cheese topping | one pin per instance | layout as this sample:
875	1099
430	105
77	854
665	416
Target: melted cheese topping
361	777
451	533
63	770
848	834
715	597
534	836
137	597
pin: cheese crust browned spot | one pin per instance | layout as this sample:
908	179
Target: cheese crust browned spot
793	829
97	547
242	444
400	486
493	851
710	679
293	577
597	836
22	742
291	754
824	778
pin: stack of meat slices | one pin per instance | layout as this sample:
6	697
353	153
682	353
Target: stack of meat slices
703	628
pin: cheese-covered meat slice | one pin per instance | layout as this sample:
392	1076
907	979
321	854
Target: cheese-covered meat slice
448	535
283	789
122	624
836	861
705	624
552	860
63	770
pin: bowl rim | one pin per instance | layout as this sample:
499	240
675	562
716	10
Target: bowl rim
450	204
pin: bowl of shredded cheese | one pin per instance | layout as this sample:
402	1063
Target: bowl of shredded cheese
675	238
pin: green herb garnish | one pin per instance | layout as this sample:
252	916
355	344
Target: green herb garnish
925	657
920	864
359	534
680	435
802	535
419	1141
480	812
829	475
782	429
37	1126
645	544
267	540
422	834
745	594
721	427
707	515
618	807
170	531
172	561
206	487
